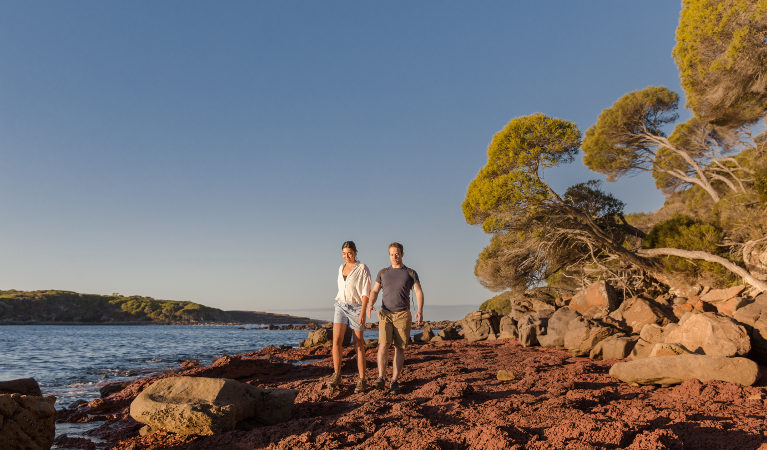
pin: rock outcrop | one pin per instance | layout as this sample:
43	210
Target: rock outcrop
24	386
583	334
613	347
669	370
481	325
204	406
558	324
636	312
27	421
711	334
597	300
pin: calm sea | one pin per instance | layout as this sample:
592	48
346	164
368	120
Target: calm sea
73	362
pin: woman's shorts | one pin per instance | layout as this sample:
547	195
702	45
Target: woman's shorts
348	314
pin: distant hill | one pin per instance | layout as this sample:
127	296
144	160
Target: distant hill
19	307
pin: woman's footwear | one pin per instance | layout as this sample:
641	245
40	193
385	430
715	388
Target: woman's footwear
335	380
394	387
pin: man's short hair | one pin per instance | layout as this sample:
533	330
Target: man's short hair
398	246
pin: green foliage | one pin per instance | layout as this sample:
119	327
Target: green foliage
722	59
500	303
64	306
615	145
684	232
509	185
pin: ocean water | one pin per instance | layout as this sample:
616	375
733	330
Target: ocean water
73	362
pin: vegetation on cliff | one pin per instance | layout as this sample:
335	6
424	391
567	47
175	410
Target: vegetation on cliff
712	169
64	306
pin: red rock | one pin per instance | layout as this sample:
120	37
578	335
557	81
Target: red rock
720	295
597	300
728	307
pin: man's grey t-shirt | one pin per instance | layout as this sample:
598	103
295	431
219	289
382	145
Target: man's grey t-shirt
396	285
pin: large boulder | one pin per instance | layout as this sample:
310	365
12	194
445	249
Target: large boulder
480	325
27	421
448	333
720	295
754	317
728	307
531	326
597	300
425	335
583	334
558	325
650	335
711	334
636	312
324	336
668	370
613	347
24	386
508	328
204	406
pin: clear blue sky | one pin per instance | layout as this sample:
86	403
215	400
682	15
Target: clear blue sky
220	152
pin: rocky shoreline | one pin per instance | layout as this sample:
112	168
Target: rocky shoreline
456	394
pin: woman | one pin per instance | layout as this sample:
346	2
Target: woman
350	306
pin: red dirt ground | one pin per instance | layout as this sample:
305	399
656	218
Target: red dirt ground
451	398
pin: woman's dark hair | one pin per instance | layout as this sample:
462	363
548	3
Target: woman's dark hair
349	244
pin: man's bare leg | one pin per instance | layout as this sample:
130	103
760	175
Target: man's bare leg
383	357
399	361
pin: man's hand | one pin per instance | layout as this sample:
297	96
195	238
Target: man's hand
370	310
419	318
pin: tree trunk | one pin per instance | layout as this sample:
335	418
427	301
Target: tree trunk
694	254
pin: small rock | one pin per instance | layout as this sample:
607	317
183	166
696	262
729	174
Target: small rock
720	295
664	349
505	375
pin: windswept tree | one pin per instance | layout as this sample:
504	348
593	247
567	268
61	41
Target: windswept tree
630	137
721	53
537	232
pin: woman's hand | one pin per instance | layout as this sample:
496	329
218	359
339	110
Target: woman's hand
362	319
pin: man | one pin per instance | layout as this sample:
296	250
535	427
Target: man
394	318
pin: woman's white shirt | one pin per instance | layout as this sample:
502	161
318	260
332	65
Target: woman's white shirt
355	286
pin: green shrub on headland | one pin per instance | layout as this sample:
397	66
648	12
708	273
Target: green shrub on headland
73	307
500	303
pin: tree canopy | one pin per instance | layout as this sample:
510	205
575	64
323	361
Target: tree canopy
721	52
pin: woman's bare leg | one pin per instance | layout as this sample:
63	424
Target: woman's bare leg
359	343
339	330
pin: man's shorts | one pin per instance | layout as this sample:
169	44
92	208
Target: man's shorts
394	328
347	314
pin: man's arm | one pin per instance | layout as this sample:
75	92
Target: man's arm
419	300
373	297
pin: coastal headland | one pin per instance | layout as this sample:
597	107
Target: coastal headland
56	307
453	396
